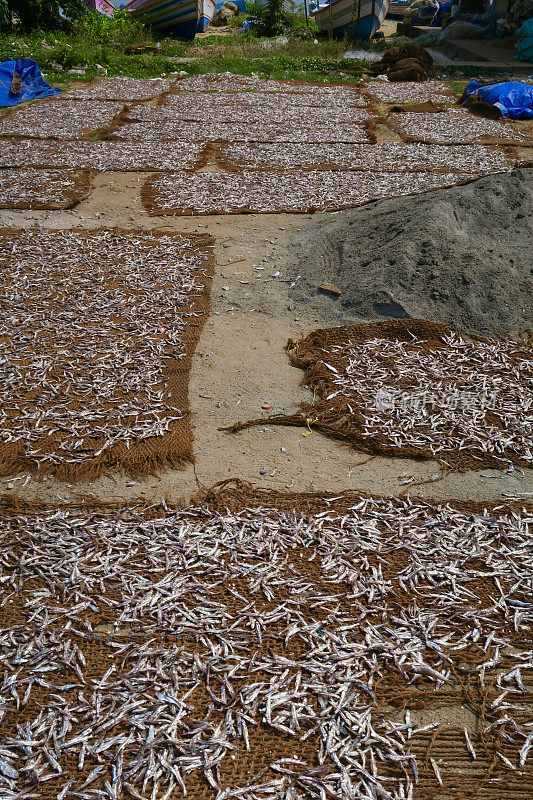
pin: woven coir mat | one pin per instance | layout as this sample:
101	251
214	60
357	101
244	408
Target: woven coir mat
417	389
122	88
261	645
60	118
43	188
101	155
456	126
97	332
383	157
296	191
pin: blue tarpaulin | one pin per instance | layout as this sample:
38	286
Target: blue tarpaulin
514	99
34	85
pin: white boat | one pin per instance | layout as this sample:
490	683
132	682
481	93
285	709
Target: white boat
357	19
207	9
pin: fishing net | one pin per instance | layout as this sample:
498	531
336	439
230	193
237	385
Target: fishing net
60	118
43	188
101	155
278	192
384	157
454	127
264	645
417	389
97	332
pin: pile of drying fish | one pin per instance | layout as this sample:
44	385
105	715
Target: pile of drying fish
456	126
271	192
123	88
258	130
419	389
100	155
60	118
87	321
384	157
265	653
43	188
409	92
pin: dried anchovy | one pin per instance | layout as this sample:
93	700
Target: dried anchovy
265	652
296	191
122	88
409	92
384	157
463	396
295	130
100	155
456	126
42	188
251	107
60	119
227	82
86	321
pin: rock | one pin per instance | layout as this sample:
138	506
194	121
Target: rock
222	16
232	6
57	67
101	70
330	288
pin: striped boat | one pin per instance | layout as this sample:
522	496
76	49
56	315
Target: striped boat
207	9
357	19
102	6
171	17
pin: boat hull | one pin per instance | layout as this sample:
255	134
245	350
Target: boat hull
357	20
207	9
171	17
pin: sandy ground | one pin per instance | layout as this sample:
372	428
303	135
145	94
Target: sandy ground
240	364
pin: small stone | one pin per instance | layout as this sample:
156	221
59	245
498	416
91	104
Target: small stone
101	70
329	288
263	471
282	450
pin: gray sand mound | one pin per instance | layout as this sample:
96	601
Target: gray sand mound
463	256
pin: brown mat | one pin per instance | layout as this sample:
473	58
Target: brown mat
277	192
293	646
383	157
98	330
102	155
455	127
60	118
416	389
44	188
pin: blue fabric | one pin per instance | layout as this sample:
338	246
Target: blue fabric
34	85
444	8
514	99
524	46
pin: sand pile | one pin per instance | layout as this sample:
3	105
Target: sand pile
460	256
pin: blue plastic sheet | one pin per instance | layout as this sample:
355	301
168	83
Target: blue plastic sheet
514	99
34	85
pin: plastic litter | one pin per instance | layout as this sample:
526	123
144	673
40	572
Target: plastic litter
512	98
33	85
